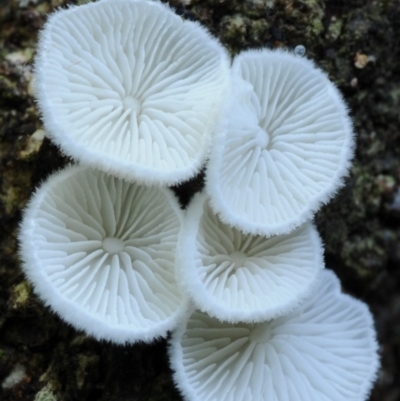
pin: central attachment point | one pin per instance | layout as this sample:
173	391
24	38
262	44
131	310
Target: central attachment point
261	333
238	258
129	102
261	138
113	245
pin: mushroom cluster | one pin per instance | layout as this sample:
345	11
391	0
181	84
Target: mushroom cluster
140	98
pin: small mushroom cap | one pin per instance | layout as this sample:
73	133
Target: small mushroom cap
243	277
284	148
324	351
129	87
101	253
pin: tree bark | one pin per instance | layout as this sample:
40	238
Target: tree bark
357	43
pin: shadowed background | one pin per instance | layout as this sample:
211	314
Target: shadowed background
357	42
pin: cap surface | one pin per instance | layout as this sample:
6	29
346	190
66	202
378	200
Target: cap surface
284	147
130	88
243	277
101	253
325	350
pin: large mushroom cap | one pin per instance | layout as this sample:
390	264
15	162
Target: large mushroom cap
131	88
243	277
287	144
101	253
324	351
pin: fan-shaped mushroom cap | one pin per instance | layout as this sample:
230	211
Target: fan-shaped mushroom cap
243	277
324	351
286	144
131	88
101	253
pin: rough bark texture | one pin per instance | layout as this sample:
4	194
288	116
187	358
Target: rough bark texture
357	42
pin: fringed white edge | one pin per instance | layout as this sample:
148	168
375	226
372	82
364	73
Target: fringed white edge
366	387
213	184
68	311
176	355
102	161
192	285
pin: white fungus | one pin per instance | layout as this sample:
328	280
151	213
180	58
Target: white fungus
101	253
242	277
324	351
285	146
129	87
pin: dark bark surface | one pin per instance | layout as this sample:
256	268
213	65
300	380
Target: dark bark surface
357	42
